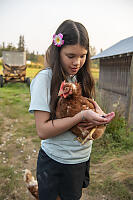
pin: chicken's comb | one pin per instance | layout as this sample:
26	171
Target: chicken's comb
62	85
61	89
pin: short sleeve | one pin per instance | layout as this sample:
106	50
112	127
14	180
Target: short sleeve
40	92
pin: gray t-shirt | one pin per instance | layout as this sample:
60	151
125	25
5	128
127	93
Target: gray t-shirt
62	148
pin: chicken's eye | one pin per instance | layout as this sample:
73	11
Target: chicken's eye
66	89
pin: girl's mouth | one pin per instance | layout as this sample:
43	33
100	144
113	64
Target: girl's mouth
74	69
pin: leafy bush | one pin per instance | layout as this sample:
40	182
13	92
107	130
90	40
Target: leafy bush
118	134
116	139
116	130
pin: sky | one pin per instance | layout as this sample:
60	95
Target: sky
107	21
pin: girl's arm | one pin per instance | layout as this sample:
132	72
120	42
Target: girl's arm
47	129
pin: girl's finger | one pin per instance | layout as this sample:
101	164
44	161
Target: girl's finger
88	127
110	116
101	120
98	109
107	118
84	124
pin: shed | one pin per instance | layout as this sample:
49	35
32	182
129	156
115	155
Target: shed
116	76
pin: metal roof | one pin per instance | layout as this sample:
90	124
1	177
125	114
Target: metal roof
122	47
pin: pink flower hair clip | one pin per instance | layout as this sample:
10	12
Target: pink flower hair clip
57	39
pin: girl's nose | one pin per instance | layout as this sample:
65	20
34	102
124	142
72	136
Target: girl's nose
76	61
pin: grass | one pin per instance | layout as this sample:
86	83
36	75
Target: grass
16	140
110	190
31	72
95	73
1	69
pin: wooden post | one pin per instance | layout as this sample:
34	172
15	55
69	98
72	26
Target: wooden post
129	95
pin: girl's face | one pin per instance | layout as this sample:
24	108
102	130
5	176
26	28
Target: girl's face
72	58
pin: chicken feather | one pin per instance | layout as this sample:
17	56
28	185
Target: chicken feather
72	102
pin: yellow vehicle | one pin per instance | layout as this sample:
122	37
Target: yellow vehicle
14	67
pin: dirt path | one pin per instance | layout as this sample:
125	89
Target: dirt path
20	152
117	168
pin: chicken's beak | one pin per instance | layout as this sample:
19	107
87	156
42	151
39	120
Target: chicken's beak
60	93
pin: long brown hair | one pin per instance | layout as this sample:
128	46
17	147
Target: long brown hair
73	33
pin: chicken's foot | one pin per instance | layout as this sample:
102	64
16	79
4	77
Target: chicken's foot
79	139
89	136
83	132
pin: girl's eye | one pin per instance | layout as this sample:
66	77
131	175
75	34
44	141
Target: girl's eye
83	56
70	56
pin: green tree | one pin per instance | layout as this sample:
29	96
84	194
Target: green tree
21	43
3	45
10	47
40	59
92	51
101	50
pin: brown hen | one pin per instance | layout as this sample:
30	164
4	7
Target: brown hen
31	184
72	102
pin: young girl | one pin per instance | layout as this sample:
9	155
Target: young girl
63	163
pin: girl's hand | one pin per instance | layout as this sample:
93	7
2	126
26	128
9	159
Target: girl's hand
95	118
85	125
98	109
